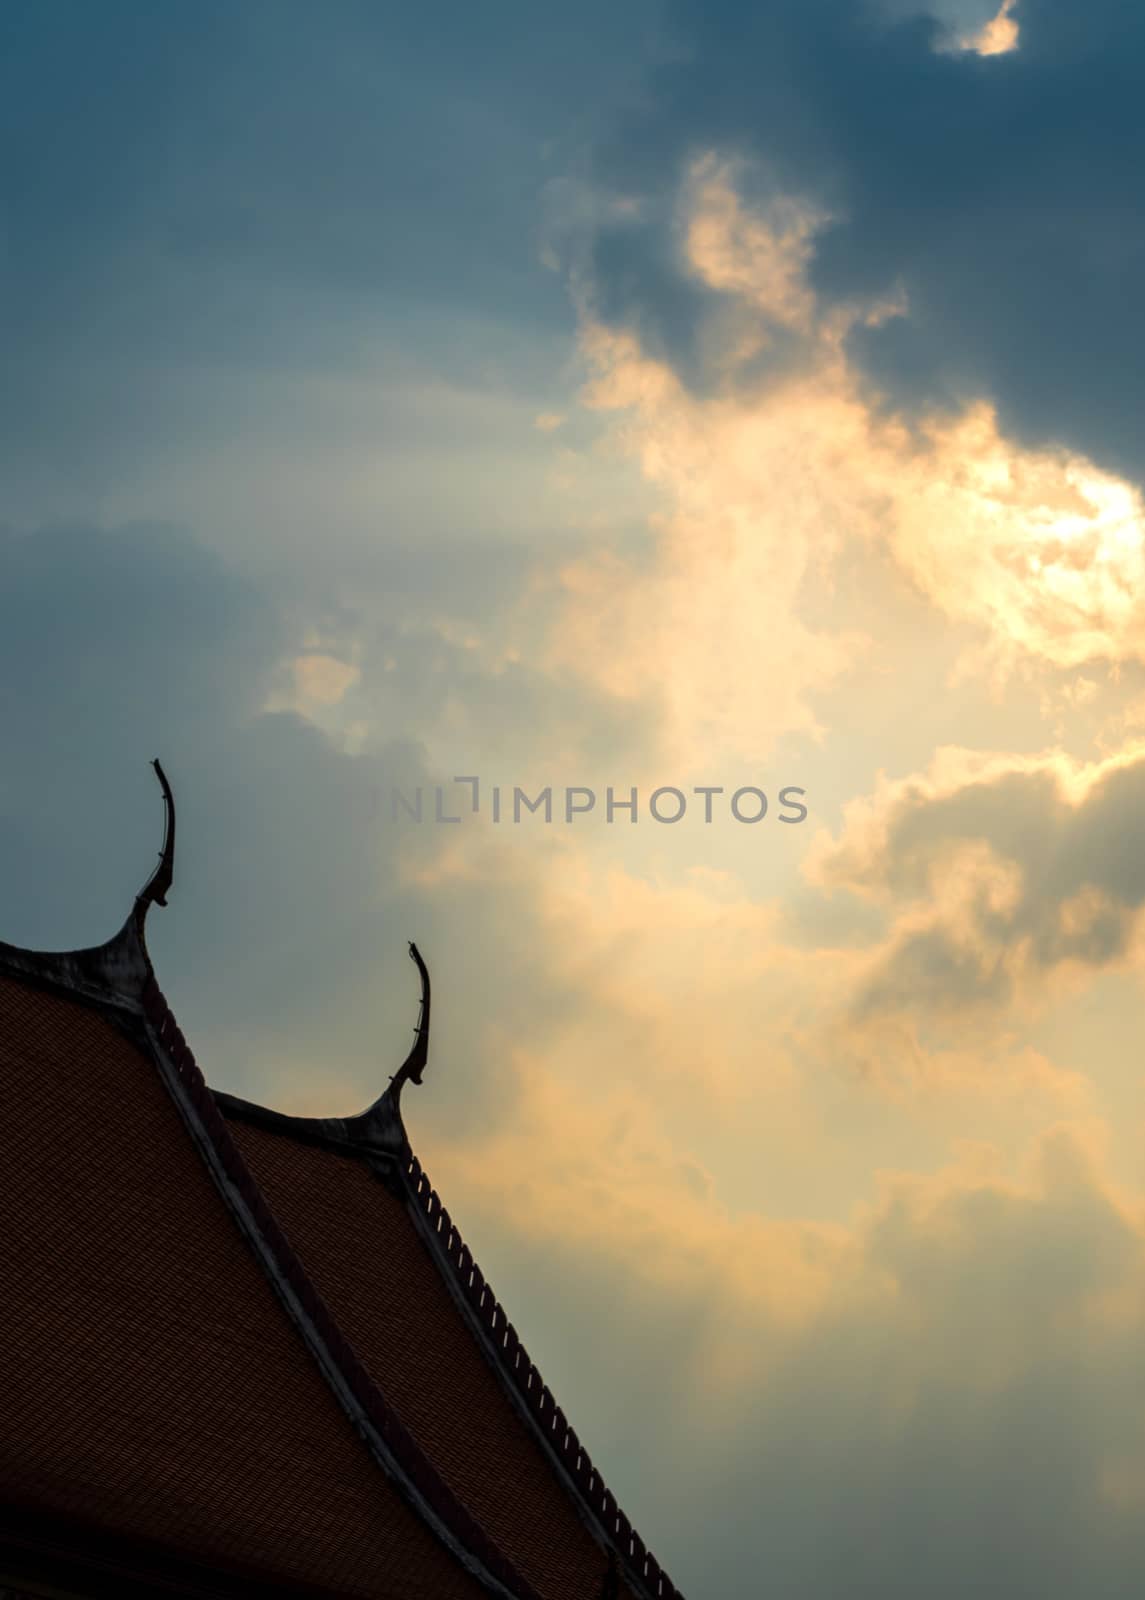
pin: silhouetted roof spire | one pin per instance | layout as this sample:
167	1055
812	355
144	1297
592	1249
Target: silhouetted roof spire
381	1123
157	886
414	1064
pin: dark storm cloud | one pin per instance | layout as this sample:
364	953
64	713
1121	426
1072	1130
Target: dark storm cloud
215	189
1002	193
376	149
1064	883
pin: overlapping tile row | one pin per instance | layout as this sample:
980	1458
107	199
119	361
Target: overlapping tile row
640	1562
161	1421
402	1447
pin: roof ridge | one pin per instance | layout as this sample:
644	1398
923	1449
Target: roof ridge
376	1420
547	1417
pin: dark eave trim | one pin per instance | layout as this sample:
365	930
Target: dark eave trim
527	1390
392	1446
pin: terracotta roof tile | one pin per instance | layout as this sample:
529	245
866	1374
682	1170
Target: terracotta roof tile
152	1383
359	1245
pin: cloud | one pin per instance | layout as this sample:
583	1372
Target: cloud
993	193
779	466
1000	35
983	26
1038	546
998	874
322	680
191	286
706	625
930	1398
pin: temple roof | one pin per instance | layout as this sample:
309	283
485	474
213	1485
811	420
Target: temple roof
252	1349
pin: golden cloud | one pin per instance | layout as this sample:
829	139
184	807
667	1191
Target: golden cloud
764	488
996	872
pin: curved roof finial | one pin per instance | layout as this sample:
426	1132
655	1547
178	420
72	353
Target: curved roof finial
156	888
413	1066
381	1123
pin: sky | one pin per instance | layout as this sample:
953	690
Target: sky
678	396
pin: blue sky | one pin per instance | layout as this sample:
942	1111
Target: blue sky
661	395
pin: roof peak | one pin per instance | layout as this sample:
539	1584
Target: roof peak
115	972
157	887
381	1123
379	1130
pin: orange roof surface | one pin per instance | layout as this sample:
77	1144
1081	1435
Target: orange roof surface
357	1240
152	1387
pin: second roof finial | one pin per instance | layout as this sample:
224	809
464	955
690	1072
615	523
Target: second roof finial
157	886
414	1064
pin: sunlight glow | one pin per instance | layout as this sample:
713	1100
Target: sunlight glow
1042	545
999	36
